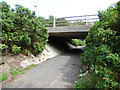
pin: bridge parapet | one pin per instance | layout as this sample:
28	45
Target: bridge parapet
70	21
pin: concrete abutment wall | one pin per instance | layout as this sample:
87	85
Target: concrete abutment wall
55	46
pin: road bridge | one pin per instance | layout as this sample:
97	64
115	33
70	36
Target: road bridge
70	27
79	31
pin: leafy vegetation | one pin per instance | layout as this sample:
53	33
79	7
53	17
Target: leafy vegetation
80	22
26	52
3	76
31	66
15	71
16	49
21	30
87	81
102	52
4	48
78	42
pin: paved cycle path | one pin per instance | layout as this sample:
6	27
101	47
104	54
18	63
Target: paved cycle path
59	72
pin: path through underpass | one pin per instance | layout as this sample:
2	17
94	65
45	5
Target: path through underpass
59	72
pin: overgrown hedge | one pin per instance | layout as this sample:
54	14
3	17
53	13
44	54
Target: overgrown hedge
22	30
102	51
78	42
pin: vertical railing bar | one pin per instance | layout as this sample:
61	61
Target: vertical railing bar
86	19
54	22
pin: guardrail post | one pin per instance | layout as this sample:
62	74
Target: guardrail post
86	19
54	22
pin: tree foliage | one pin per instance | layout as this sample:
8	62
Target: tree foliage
78	42
102	51
111	18
21	29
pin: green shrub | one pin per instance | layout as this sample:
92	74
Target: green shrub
3	77
87	81
14	72
101	54
16	49
28	67
3	46
21	27
31	66
78	42
38	47
26	52
20	70
111	17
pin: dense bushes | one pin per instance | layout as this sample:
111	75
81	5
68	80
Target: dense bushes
102	51
22	30
78	42
3	76
111	18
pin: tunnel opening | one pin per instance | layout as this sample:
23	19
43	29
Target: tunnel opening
64	44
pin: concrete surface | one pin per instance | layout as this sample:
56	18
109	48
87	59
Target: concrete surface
58	72
80	31
77	28
49	52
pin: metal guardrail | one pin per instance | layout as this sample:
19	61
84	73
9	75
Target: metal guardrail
67	21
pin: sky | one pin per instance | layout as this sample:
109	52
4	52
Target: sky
63	8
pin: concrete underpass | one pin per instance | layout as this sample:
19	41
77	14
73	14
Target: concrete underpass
58	72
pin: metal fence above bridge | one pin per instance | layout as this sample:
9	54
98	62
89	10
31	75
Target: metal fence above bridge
69	21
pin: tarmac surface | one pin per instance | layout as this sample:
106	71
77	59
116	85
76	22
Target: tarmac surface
58	72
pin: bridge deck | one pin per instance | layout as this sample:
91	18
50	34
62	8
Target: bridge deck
80	31
63	29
